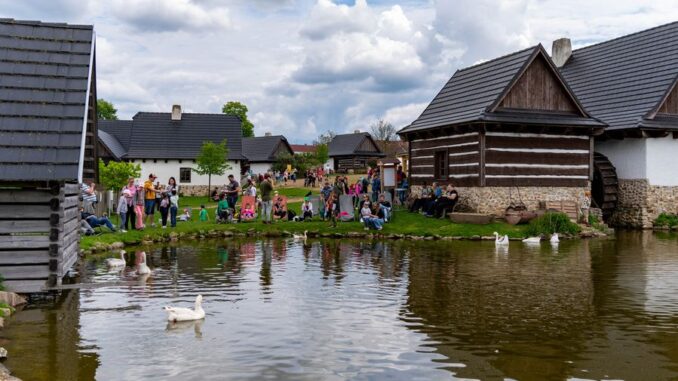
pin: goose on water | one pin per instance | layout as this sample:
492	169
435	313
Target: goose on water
175	314
500	240
532	240
300	236
554	238
143	268
117	262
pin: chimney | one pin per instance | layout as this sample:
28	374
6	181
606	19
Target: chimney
356	131
176	112
561	51
268	134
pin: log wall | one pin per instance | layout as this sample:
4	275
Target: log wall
39	236
670	105
463	159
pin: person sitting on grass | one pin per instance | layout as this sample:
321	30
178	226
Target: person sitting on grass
385	207
307	210
203	216
247	212
223	210
363	200
279	211
95	221
186	216
369	219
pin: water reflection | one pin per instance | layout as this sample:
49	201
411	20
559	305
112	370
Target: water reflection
285	309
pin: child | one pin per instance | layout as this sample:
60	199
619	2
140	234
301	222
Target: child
307	210
139	201
331	209
186	216
164	209
174	206
203	214
247	212
223	213
122	208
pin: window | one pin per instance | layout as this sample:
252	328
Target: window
440	165
184	175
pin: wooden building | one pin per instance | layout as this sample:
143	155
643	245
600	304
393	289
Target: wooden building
262	151
351	152
47	147
505	123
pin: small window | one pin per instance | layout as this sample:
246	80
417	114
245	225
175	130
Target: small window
184	175
440	165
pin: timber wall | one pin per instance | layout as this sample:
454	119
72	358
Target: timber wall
463	159
39	236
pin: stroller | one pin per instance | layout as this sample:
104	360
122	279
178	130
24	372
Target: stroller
346	211
248	209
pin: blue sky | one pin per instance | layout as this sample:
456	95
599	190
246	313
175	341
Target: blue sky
304	67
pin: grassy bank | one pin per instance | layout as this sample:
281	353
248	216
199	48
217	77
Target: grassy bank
404	223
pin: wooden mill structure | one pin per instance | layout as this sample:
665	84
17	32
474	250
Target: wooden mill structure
47	148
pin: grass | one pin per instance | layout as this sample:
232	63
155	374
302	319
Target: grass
551	223
404	223
667	220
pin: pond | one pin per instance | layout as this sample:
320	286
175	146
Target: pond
335	310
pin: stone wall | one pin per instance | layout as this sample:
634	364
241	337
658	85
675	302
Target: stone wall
640	203
495	200
194	190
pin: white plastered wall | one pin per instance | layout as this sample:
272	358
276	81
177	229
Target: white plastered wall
166	170
662	161
627	155
260	168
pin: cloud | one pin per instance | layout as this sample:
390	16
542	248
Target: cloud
401	116
169	15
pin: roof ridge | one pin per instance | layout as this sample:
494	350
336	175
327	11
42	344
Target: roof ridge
184	113
626	36
498	58
47	24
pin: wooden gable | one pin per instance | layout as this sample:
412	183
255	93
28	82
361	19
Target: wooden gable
539	89
670	105
367	145
282	149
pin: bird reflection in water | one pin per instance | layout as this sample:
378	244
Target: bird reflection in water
184	326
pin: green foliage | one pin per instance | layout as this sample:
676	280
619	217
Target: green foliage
322	154
105	110
115	174
299	162
551	223
666	219
240	110
211	160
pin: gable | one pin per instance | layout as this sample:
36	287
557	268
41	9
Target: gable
670	105
539	89
367	145
282	150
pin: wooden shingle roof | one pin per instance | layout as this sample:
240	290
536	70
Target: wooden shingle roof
264	148
624	80
45	73
353	144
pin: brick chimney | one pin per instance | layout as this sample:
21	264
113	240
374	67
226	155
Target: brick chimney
268	134
561	51
176	112
356	131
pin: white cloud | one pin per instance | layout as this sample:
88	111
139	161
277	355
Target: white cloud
169	15
402	116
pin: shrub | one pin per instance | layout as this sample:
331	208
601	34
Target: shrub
666	219
551	223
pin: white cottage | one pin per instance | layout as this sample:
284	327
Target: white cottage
166	144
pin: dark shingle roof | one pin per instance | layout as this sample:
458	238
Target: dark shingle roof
348	144
151	135
263	148
44	80
622	80
112	144
472	92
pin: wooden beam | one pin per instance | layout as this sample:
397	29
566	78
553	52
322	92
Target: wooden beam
482	158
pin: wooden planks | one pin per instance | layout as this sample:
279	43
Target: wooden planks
9	257
10	272
18	196
24	226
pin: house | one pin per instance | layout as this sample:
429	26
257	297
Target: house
351	152
395	149
301	149
512	122
630	83
262	151
167	144
48	132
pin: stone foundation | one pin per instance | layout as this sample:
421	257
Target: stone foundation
640	203
194	190
495	200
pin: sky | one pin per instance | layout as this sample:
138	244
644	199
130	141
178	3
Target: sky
304	67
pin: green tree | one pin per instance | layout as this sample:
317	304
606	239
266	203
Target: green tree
322	154
211	160
115	174
105	110
240	110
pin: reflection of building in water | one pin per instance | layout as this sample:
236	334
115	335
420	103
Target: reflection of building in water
51	341
503	316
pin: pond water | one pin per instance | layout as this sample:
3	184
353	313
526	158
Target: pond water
335	310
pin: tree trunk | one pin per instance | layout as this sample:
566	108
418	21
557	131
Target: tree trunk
209	186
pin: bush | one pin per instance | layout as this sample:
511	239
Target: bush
666	219
551	223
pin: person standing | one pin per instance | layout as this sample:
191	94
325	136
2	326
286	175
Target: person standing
139	203
232	191
376	187
131	215
149	198
174	207
122	209
266	204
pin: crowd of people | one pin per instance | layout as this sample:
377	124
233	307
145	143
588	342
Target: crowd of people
434	201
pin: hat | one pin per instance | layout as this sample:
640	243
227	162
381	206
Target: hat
275	192
306	198
126	192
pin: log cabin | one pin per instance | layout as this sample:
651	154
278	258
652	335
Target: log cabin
48	146
631	84
351	152
503	131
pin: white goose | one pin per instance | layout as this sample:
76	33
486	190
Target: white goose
554	238
185	314
500	240
300	236
117	262
143	268
532	240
